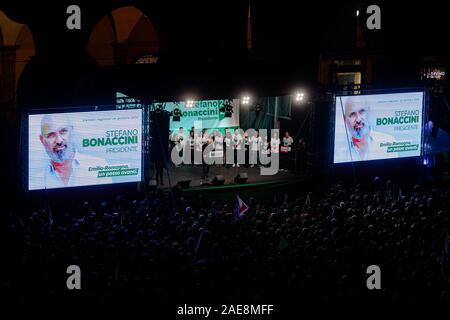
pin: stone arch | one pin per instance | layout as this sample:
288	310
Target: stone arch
122	36
101	40
143	39
16	48
25	50
1	36
10	29
125	19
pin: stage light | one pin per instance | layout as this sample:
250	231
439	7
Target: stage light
245	100
176	114
189	103
357	13
299	96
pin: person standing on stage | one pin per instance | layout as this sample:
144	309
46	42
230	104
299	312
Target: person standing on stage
246	146
206	140
198	148
264	148
179	140
171	142
227	147
255	144
191	144
275	143
287	141
286	148
218	146
237	146
159	171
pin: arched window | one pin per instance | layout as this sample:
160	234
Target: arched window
124	36
16	48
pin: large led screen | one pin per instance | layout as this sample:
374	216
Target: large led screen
84	148
379	126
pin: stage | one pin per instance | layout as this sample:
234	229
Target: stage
194	174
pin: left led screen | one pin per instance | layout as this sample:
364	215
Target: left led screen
84	148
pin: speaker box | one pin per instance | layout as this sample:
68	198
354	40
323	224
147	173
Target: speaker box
241	177
152	183
218	180
184	184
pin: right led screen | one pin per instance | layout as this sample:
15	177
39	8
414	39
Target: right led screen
378	126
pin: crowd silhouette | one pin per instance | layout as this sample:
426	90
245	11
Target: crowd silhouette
169	247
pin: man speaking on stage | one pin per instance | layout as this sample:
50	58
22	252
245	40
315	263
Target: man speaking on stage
65	167
363	143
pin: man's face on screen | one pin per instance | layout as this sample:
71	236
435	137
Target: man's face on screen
56	136
357	119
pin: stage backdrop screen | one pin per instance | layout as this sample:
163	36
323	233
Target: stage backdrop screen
204	114
84	148
379	126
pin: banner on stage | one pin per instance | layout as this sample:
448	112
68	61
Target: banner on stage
206	112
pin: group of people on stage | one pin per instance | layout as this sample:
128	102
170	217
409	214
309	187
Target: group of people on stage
198	140
246	148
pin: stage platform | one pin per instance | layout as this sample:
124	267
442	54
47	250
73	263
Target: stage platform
255	179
